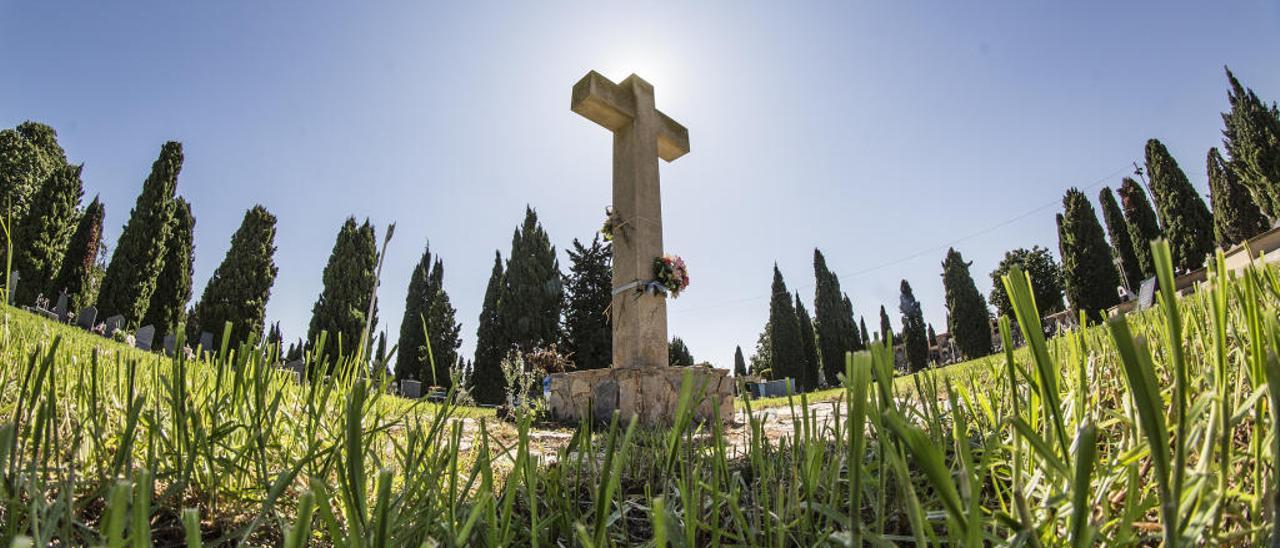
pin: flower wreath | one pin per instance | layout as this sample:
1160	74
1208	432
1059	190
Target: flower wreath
670	272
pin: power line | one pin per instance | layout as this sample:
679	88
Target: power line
1096	183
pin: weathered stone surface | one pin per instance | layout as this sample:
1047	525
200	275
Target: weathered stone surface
650	394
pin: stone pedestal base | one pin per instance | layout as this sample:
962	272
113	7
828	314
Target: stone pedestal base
650	393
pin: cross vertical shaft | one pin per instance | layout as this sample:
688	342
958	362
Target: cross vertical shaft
641	135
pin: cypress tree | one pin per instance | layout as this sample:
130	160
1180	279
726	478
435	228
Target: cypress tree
533	293
1046	280
811	367
855	337
762	359
1121	242
349	279
487	383
1252	137
914	337
933	336
1236	217
75	275
787	352
29	155
739	363
886	328
1187	223
678	353
442	323
833	321
1089	275
589	290
380	354
1141	220
968	319
239	288
275	338
411	362
139	255
427	305
173	287
866	335
42	237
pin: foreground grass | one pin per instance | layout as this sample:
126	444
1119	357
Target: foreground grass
904	383
1157	428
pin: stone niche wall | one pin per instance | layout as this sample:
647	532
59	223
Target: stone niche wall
649	393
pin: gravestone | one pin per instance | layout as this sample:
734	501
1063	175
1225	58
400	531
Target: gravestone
144	337
87	316
170	344
114	323
1147	293
60	310
206	341
410	389
298	367
640	382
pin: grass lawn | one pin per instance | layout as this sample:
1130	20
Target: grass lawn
906	383
1157	428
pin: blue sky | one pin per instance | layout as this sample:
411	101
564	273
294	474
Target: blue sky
880	132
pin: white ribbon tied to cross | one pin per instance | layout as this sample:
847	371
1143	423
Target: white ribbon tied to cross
653	287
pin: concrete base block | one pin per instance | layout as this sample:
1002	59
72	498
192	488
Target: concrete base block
649	393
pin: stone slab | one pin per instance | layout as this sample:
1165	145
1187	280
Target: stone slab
650	394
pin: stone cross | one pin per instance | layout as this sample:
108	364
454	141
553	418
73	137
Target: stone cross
641	135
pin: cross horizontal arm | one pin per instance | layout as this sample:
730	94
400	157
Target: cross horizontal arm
613	106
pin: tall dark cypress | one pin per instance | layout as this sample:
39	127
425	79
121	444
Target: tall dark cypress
1141	219
1187	223
240	287
1121	241
349	280
411	352
811	368
534	292
886	328
739	363
1251	137
139	255
75	275
443	327
487	383
968	318
915	339
833	320
427	307
678	353
41	238
588	335
1236	217
787	351
855	337
1089	275
173	287
866	335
